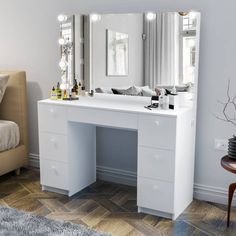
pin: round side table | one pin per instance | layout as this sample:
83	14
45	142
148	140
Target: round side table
230	165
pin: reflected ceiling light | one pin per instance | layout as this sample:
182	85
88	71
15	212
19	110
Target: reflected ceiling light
95	17
61	41
63	64
150	16
62	18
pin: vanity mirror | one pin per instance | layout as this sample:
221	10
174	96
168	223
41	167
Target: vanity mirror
143	51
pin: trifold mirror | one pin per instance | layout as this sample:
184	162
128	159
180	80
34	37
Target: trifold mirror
113	53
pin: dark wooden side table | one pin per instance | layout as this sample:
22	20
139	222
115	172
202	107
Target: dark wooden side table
230	165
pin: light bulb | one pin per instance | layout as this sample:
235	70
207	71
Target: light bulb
62	18
63	86
150	16
62	41
95	17
63	64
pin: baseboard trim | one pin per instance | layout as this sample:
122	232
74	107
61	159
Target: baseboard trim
201	192
117	175
34	160
212	194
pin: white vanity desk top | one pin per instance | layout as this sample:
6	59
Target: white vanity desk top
129	104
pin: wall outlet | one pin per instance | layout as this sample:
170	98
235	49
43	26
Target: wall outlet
221	144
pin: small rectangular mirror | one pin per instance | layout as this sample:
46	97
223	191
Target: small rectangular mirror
117	53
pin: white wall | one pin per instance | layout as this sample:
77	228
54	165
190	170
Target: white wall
28	36
123	24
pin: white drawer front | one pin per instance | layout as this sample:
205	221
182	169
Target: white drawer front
103	117
156	163
53	147
155	195
52	118
157	131
54	174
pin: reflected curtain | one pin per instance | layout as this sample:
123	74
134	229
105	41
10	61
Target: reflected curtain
161	47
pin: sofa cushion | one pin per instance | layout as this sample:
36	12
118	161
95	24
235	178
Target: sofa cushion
133	91
3	85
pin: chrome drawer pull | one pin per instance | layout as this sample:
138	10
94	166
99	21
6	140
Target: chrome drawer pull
53	141
54	169
157	157
155	187
53	112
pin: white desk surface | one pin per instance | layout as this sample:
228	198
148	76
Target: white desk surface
119	103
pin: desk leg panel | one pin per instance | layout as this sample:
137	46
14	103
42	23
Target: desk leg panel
81	155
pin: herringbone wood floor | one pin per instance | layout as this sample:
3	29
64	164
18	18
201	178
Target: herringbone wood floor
110	208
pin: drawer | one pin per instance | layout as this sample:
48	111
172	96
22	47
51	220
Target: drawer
104	118
53	147
54	174
157	131
155	195
52	118
156	163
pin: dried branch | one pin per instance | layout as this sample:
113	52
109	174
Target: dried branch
225	105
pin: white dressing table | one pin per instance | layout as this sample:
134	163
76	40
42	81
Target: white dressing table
166	141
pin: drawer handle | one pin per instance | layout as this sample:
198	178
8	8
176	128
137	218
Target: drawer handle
54	169
53	141
157	122
157	157
155	187
53	112
192	123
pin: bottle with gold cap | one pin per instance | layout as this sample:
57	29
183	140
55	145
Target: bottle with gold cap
58	91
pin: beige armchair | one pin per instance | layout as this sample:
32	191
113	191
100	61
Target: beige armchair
14	108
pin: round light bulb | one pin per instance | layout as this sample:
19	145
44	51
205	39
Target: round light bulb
150	16
95	17
63	86
62	18
62	41
63	64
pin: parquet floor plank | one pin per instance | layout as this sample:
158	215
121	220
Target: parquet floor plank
111	208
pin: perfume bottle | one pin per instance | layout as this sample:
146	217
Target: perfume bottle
174	99
58	91
161	98
53	94
166	102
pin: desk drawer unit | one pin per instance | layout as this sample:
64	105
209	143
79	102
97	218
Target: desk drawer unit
53	147
156	195
52	118
54	174
157	131
156	164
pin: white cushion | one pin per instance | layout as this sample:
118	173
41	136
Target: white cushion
3	85
9	135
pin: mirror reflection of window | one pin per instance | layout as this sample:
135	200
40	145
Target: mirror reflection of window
189	47
117	53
